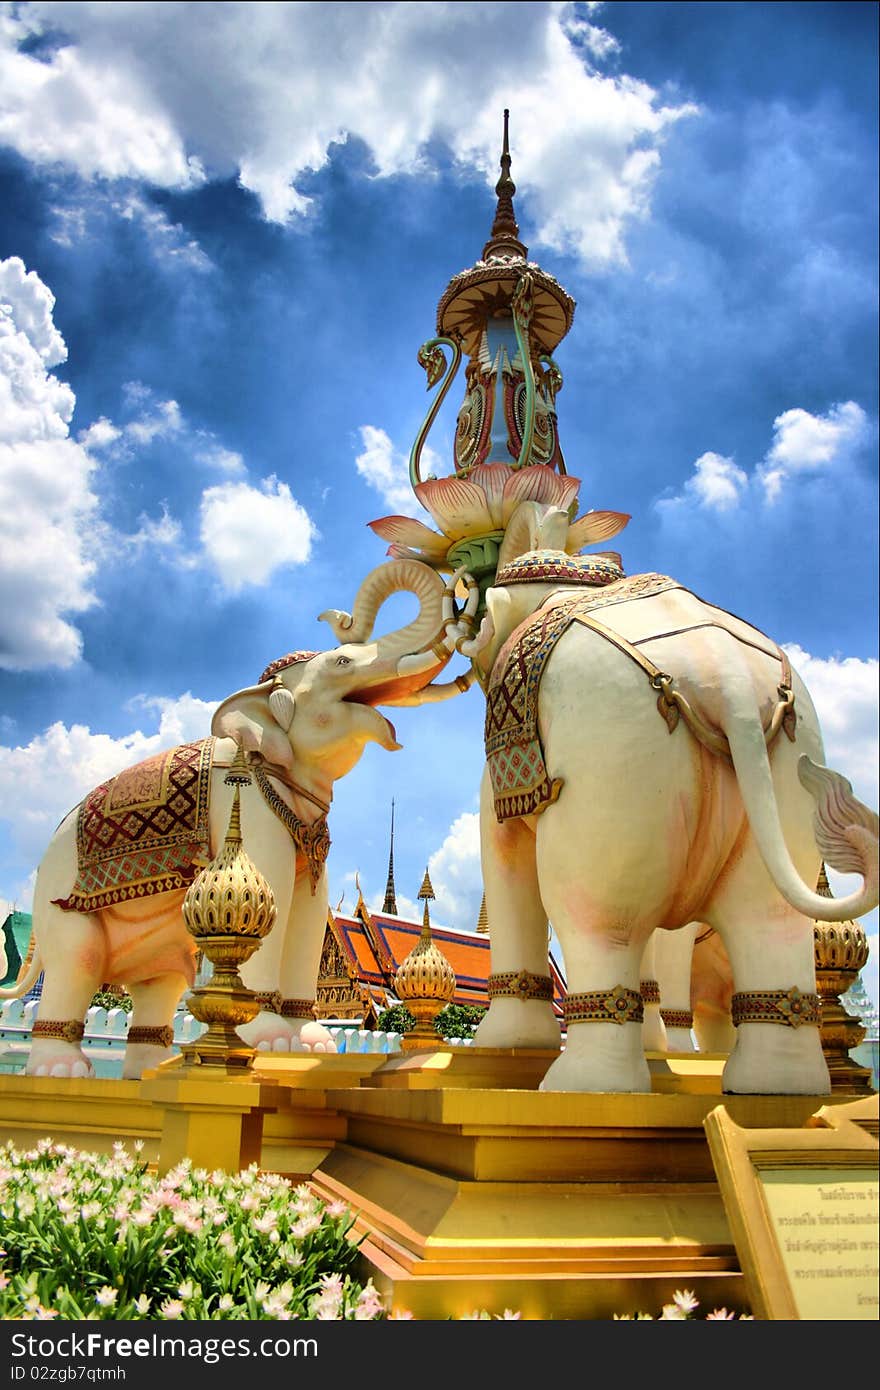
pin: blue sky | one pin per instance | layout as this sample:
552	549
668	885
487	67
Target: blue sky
224	229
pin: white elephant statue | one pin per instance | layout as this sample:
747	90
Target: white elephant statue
107	904
686	986
652	761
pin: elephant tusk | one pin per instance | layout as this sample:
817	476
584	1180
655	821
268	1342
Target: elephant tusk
471	647
437	691
338	620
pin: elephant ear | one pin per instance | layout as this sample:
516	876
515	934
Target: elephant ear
249	716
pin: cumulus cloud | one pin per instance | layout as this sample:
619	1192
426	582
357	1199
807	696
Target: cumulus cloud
846	694
803	444
456	875
247	533
806	443
46	501
43	779
160	93
716	484
385	468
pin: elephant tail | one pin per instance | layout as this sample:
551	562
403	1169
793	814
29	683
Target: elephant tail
28	975
847	833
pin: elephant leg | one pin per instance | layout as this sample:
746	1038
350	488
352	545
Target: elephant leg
519	931
653	1028
599	1055
300	962
711	991
673	955
770	947
153	1005
73	972
291	969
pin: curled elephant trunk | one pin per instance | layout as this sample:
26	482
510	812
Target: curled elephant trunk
392	578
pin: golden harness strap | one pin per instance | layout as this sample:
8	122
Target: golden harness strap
673	705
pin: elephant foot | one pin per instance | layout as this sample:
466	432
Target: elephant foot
518	1023
141	1057
679	1040
654	1035
773	1060
270	1032
597	1058
51	1057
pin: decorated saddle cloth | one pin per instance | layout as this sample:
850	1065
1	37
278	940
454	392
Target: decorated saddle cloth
143	831
521	784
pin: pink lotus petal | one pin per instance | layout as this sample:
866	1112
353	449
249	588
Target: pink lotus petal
408	531
457	505
492	478
594	526
538	483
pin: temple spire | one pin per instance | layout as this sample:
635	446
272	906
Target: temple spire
504	239
389	907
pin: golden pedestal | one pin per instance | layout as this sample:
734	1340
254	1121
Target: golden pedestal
555	1205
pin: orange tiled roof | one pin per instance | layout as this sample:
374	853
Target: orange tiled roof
376	944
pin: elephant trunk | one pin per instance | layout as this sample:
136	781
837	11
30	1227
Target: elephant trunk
394	577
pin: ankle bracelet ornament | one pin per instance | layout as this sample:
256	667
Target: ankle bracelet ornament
66	1030
788	1007
519	984
156	1036
617	1005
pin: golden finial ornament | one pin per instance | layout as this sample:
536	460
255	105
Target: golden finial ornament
425	981
840	951
483	918
228	908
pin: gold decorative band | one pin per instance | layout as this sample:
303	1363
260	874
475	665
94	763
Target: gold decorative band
441	652
788	1007
617	1005
297	1008
269	1000
650	991
69	1030
520	984
160	1037
677	1018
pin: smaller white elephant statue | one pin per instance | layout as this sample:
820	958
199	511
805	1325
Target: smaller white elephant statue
110	887
652	761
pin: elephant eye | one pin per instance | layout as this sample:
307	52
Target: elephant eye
343	661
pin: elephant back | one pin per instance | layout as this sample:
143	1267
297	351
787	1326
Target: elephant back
145	830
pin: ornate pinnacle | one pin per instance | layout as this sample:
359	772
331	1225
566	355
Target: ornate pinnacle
389	907
504	238
426	891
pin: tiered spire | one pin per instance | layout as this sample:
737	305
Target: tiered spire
505	231
389	907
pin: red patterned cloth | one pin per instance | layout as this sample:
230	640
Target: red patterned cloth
141	832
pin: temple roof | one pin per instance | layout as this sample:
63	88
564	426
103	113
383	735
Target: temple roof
376	944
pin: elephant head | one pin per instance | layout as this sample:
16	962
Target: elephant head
318	708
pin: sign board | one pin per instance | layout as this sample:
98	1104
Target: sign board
803	1210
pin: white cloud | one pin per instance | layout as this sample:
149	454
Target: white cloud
456	875
385	469
846	694
99	434
803	444
160	93
165	421
213	455
247	533
47	508
717	484
806	443
41	781
166	239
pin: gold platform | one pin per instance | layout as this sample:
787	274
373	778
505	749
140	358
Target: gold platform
472	1188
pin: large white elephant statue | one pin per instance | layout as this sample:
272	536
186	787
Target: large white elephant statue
302	726
652	761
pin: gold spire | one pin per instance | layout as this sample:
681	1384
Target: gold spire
389	907
504	239
483	918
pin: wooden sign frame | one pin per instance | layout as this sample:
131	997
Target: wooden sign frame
838	1145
